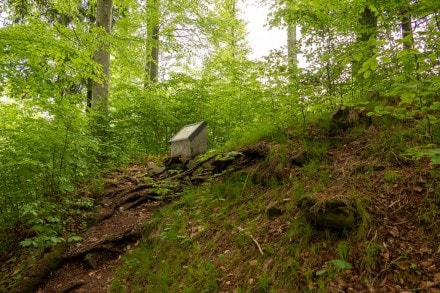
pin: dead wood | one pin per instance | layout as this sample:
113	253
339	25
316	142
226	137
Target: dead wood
114	192
138	202
191	170
72	286
137	188
128	236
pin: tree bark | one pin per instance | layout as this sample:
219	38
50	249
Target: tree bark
365	39
405	24
100	90
292	51
410	62
152	42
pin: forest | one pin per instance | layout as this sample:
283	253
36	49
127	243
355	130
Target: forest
90	86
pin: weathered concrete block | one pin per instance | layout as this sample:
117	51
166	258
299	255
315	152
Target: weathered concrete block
190	141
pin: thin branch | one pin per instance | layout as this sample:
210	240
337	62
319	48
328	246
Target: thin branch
258	244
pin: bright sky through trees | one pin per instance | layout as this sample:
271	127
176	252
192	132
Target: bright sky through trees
261	38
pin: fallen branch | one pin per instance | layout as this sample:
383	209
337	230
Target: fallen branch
253	239
72	286
258	245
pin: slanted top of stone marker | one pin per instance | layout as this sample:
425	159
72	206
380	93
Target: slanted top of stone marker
189	132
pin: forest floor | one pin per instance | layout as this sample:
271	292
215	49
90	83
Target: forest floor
118	228
398	249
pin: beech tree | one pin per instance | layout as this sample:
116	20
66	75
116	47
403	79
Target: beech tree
100	89
152	42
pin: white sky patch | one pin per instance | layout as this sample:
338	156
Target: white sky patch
260	37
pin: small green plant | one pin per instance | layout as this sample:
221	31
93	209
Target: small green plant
371	251
430	151
48	222
336	264
390	176
415	268
343	249
263	283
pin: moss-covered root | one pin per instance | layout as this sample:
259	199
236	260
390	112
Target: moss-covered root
36	275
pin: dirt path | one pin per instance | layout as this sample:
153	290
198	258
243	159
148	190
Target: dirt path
130	198
100	252
127	205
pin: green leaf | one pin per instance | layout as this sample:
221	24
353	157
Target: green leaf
386	59
433	57
321	272
74	238
373	64
435	160
367	74
27	242
435	106
341	264
357	56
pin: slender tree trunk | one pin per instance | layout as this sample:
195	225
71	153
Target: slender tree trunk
152	42
154	61
233	29
410	64
405	24
89	93
365	39
99	90
292	51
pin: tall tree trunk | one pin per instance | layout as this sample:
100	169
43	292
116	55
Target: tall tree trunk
292	51
405	24
365	38
152	42
99	93
410	64
234	34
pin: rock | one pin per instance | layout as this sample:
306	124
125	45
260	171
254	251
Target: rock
207	166
154	169
191	164
346	117
333	214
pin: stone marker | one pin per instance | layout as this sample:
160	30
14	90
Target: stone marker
190	141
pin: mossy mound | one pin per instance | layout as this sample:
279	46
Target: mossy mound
332	214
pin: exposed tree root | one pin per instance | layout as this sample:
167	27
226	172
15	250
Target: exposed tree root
128	236
126	192
72	286
41	270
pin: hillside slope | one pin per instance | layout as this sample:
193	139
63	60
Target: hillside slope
246	231
326	212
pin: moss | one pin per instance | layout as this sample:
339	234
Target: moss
333	214
35	276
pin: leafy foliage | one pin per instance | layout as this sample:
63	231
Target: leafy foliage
383	56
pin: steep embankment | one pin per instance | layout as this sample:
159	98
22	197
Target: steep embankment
333	211
249	230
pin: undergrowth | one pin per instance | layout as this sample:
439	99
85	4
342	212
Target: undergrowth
245	232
